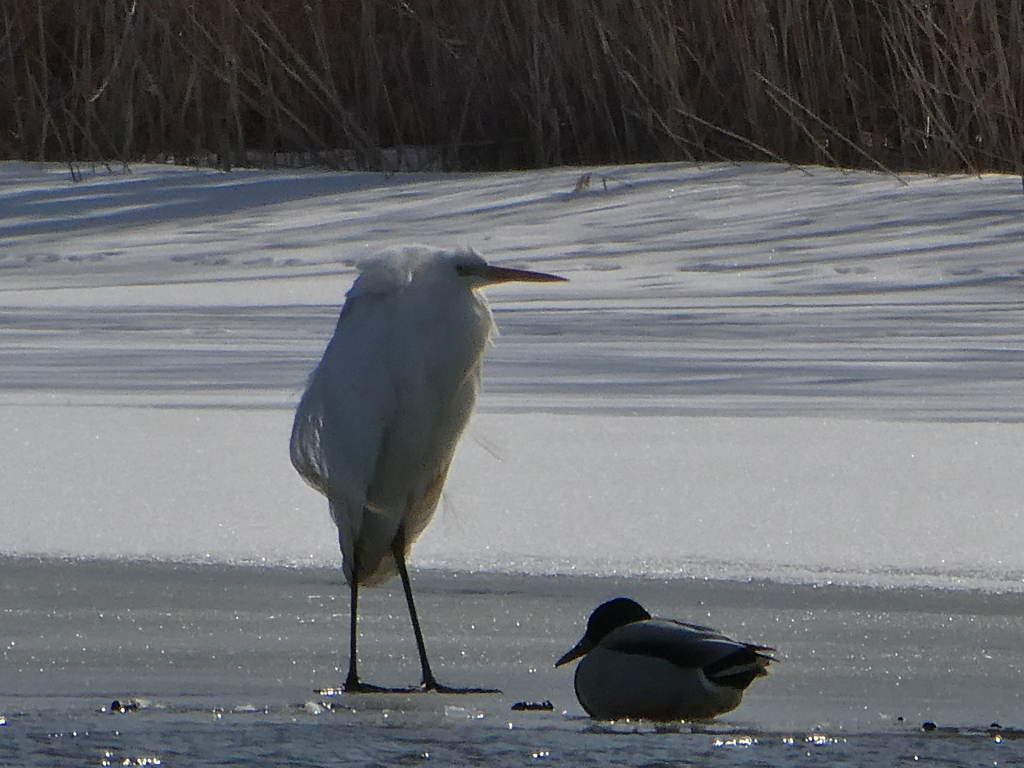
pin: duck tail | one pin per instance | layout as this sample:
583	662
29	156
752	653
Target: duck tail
740	668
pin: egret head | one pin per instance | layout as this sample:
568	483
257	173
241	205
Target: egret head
470	266
397	268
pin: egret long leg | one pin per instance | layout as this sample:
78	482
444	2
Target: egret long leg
429	681
398	549
352	681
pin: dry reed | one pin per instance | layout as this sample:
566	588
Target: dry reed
902	84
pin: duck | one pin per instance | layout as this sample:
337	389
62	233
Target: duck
636	667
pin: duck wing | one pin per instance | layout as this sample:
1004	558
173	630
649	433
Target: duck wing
723	660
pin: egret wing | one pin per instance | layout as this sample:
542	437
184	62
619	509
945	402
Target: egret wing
341	422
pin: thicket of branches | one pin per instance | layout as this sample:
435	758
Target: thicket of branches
926	84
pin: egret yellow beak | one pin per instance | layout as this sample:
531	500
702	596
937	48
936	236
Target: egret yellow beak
491	275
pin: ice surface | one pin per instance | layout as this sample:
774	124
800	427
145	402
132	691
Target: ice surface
808	383
222	661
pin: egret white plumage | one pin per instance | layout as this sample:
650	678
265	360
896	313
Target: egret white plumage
641	668
382	413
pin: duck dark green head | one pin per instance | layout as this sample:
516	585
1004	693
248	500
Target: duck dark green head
606	618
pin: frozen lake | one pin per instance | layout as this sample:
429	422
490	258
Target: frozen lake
222	662
793	399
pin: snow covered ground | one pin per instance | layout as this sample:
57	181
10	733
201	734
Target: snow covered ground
754	371
803	381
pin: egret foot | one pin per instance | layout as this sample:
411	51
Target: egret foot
433	685
360	687
363	688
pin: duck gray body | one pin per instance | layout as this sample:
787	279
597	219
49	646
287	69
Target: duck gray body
637	667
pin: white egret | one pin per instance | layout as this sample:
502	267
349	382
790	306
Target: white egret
637	667
382	413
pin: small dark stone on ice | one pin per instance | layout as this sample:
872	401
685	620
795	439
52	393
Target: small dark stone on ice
533	706
127	706
928	726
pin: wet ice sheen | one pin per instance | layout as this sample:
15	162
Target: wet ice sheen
200	741
218	664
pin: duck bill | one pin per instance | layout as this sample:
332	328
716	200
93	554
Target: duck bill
582	648
493	275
